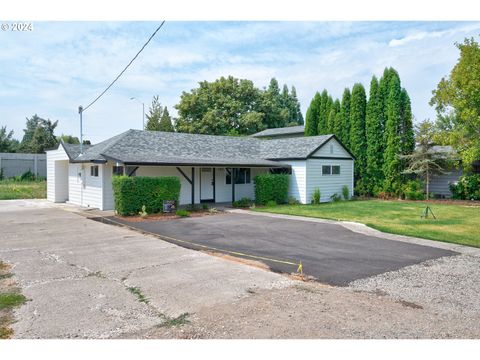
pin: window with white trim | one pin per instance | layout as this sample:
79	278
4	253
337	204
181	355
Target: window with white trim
94	170
243	176
330	170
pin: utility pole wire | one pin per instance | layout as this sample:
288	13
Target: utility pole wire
126	67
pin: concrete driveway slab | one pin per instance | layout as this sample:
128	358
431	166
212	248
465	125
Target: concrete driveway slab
329	252
83	278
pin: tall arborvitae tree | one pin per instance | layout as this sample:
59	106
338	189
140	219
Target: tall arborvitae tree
408	134
345	118
392	169
358	142
373	132
323	114
165	123
333	127
311	118
383	90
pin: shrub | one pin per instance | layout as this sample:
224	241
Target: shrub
242	203
316	196
271	187
131	193
271	203
345	192
1	173
204	206
467	187
182	213
27	176
413	190
293	201
335	198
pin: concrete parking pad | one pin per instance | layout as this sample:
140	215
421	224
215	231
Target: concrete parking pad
329	252
77	274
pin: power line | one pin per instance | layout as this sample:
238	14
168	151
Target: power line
126	67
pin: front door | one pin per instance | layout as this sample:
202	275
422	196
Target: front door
207	184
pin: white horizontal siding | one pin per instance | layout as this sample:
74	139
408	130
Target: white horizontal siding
84	189
332	148
298	180
440	184
328	184
57	184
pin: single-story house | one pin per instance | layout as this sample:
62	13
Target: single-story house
210	168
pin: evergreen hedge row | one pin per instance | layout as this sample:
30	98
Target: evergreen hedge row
271	187
131	193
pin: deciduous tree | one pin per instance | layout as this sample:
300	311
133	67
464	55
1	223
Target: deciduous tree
457	101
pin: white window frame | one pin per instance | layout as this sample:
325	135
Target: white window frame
331	170
94	171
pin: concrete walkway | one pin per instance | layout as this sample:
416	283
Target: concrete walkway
86	279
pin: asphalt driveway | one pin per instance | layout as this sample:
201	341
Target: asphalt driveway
329	252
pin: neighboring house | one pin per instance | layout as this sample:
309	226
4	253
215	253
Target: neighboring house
205	164
440	183
280	133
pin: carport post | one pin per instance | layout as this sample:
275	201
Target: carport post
233	178
193	187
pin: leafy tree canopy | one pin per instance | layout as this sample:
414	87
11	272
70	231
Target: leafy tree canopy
457	101
231	106
7	142
38	135
68	139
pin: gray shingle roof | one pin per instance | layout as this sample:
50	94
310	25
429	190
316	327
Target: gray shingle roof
155	147
290	130
73	150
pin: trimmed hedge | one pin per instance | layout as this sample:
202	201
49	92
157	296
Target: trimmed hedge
131	193
271	187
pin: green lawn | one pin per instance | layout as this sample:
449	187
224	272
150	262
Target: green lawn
455	223
10	189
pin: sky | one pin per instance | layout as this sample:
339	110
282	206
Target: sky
58	66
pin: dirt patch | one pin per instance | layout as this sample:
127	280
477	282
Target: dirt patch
167	216
312	310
